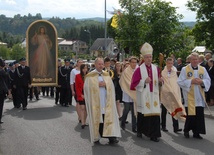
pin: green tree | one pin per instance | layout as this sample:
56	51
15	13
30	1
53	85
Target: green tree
203	30
153	21
4	52
17	52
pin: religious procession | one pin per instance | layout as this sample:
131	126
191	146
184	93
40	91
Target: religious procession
106	91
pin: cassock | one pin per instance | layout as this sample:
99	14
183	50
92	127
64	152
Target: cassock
194	97
171	95
148	106
100	102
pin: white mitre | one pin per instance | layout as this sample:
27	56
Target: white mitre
146	49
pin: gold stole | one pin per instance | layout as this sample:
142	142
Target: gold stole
191	95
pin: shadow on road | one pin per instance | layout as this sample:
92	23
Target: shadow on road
108	149
37	113
84	133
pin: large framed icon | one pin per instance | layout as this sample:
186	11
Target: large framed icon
42	53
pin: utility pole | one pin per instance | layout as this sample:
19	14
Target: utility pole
105	53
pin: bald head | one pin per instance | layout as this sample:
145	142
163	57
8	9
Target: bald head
99	64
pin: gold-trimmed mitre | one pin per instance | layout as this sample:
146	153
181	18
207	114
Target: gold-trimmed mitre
146	49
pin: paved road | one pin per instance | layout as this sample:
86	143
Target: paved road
47	129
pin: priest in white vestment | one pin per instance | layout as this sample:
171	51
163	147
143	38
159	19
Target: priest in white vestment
194	80
171	96
99	96
146	80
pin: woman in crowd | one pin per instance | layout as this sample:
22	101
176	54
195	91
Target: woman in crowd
118	94
125	65
211	74
3	87
79	82
73	74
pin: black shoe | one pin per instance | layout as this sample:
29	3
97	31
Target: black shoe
177	130
123	127
24	108
197	136
154	139
97	142
139	135
164	129
1	122
186	134
83	126
134	130
66	105
120	119
113	141
126	122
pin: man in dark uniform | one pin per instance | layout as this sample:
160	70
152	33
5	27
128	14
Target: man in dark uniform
57	92
22	81
3	86
11	82
64	83
34	92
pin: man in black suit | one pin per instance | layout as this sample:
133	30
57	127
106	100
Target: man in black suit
22	81
64	83
179	66
3	86
11	83
57	92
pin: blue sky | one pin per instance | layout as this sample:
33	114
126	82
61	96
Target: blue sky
74	8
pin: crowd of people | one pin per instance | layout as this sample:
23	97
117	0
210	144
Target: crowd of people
147	90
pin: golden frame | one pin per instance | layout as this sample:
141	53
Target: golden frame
42	53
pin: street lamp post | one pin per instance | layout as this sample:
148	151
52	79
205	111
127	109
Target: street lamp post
105	31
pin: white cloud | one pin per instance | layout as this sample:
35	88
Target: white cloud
12	5
182	9
74	8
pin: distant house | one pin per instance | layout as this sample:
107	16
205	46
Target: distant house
23	44
76	46
201	49
98	47
3	44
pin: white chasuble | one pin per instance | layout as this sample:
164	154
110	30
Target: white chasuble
95	108
148	102
193	94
